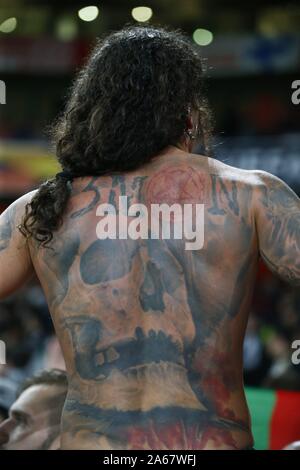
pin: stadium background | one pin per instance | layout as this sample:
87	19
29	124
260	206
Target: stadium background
251	54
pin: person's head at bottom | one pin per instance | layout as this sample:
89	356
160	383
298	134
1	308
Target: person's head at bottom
292	446
34	418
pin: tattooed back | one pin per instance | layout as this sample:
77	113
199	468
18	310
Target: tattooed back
152	332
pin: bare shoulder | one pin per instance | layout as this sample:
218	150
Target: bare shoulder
12	217
221	169
237	178
273	193
15	261
261	181
260	190
20	203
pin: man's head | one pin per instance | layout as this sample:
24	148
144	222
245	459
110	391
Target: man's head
139	92
34	418
292	446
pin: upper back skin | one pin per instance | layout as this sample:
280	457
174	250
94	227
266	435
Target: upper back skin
151	332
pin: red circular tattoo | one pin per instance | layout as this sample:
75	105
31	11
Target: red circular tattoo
176	185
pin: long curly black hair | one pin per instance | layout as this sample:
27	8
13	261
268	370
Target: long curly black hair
129	102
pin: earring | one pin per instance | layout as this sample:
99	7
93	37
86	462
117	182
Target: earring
190	134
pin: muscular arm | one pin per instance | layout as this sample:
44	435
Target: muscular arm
278	227
15	262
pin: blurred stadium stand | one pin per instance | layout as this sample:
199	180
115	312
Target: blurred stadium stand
251	62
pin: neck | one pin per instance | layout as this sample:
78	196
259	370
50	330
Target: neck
186	145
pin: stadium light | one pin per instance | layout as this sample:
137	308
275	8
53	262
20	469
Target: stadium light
141	13
9	25
89	13
203	37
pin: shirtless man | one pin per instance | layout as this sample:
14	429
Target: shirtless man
151	332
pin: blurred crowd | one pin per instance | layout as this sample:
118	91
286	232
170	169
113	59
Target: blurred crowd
31	345
259	113
273	326
263	114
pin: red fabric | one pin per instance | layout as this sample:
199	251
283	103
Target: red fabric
285	421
